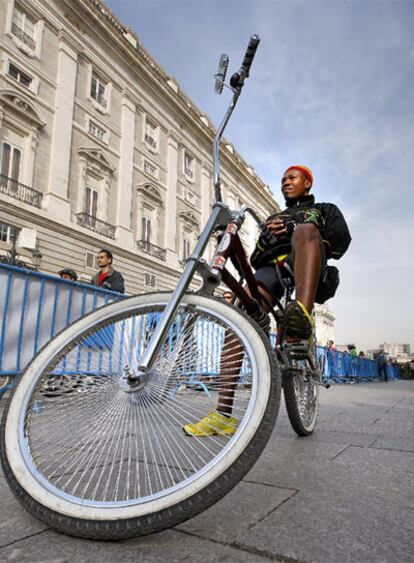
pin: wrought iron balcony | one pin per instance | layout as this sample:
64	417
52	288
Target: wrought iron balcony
24	37
93	224
19	191
152	249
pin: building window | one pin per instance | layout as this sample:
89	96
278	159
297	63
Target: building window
90	259
150	136
19	75
8	233
186	249
10	162
91	202
149	280
188	166
98	90
150	169
97	131
23	27
146	230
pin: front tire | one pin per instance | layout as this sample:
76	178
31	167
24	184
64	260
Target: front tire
113	462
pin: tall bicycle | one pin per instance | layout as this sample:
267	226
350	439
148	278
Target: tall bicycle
112	461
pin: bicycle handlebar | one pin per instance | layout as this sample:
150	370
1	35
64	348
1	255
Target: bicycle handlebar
236	82
250	53
238	78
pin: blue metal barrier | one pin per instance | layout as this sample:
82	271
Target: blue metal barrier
339	367
34	307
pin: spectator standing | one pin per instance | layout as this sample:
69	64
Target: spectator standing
331	345
352	349
68	274
382	366
108	277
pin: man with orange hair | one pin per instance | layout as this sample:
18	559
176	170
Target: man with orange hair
300	239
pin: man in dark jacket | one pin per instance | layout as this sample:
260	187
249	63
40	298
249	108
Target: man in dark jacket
302	238
107	277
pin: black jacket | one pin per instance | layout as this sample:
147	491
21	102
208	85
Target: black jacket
113	281
325	216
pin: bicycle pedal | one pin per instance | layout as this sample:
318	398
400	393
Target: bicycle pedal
298	350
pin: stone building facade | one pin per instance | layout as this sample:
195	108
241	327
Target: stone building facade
324	324
99	147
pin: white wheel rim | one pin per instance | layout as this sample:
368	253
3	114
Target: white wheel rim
45	494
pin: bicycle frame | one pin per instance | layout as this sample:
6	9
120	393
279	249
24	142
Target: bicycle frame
221	215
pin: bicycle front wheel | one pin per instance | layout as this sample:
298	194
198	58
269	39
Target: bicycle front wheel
4	384
109	459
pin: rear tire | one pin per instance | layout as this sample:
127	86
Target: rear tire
301	391
70	459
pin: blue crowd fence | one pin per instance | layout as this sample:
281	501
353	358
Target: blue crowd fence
340	367
34	307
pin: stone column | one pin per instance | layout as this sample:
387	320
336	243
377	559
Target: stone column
124	234
170	229
56	198
32	143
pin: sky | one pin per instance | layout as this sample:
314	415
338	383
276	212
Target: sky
332	87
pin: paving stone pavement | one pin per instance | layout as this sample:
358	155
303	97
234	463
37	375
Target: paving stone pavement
344	494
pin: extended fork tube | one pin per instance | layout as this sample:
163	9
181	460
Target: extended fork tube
161	331
216	144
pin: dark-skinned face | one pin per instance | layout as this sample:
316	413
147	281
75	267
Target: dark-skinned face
294	184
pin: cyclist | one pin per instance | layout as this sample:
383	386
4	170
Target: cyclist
296	242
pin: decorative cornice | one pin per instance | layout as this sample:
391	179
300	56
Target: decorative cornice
21	105
110	16
151	191
98	157
189	217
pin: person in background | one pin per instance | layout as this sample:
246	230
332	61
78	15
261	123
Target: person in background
331	345
68	274
352	349
382	366
361	354
228	296
108	277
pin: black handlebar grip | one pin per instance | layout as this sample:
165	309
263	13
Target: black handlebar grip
250	53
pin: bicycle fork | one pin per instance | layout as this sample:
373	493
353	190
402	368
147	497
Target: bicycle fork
220	215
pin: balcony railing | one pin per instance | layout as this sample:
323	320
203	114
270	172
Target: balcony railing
24	37
19	191
152	249
93	224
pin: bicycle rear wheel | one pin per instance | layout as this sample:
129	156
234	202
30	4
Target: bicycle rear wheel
301	386
111	461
